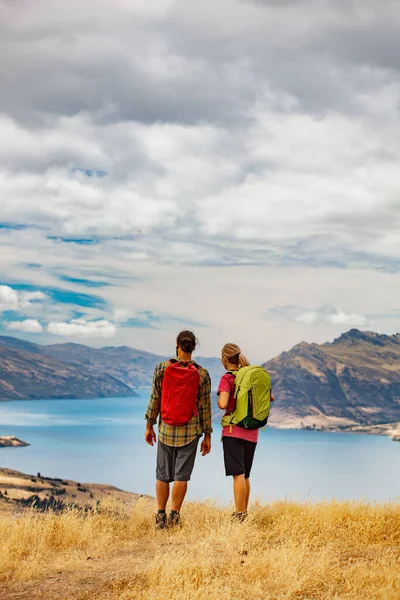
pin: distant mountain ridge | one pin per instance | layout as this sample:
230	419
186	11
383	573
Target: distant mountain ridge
354	380
133	367
29	371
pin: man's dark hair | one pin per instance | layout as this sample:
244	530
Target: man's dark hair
186	341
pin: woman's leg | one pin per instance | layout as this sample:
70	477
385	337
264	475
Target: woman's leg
234	456
250	448
240	493
247	481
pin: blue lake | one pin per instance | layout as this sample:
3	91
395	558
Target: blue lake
101	441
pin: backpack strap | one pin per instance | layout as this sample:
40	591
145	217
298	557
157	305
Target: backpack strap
234	373
174	361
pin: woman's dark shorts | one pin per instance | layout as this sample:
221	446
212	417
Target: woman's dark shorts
238	456
176	463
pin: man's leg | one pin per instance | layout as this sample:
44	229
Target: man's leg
240	493
178	495
185	458
164	474
162	494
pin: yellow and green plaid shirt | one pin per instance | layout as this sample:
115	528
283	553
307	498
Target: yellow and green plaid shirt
180	435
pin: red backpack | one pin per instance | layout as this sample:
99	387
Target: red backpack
180	388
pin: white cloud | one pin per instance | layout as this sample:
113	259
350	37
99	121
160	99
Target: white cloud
30	296
325	314
337	317
83	328
342	318
28	326
284	177
11	299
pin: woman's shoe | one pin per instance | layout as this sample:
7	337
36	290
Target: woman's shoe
239	516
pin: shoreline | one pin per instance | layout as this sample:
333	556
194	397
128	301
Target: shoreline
390	430
57	399
278	420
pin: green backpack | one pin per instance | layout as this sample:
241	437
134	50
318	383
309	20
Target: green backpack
253	397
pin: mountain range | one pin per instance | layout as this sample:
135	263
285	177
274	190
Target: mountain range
351	382
33	371
355	380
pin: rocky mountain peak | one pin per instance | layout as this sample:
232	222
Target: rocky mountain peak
355	336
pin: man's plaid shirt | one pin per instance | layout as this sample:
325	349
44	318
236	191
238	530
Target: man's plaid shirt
182	434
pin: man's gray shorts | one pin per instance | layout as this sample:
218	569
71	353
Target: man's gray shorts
176	464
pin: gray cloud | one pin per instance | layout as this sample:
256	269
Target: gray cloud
187	64
78	66
368	37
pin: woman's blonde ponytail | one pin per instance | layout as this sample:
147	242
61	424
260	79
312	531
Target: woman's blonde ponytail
243	362
233	354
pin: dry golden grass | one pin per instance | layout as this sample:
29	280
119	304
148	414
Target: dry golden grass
284	551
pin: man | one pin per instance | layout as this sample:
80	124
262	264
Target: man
181	396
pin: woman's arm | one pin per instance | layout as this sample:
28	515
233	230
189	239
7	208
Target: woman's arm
223	400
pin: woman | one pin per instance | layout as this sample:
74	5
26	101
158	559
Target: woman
239	444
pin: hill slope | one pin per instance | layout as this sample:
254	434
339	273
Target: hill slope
353	380
19	491
26	372
133	367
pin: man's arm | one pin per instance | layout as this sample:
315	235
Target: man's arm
153	408
204	409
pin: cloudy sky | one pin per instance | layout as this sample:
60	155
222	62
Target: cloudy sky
229	166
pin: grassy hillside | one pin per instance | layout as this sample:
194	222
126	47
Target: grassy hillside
19	490
285	551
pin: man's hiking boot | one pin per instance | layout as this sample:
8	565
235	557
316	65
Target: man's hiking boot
161	521
239	517
174	519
